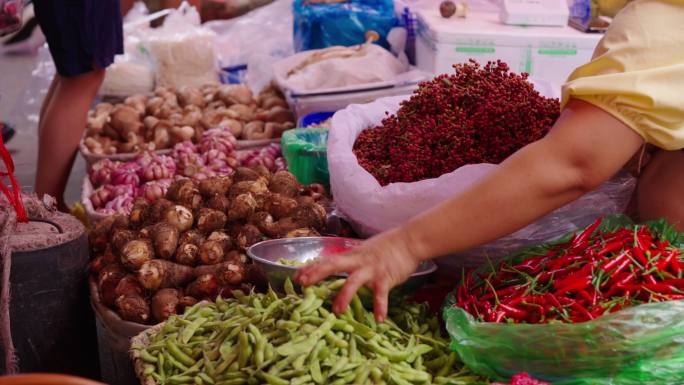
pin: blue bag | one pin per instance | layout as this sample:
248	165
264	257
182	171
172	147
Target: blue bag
321	25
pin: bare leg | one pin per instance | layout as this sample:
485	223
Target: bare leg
47	100
62	125
660	191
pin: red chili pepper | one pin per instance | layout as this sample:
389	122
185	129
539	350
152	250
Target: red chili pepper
586	296
513	312
676	266
640	256
676	282
582	237
622	266
659	288
650	279
581	310
553	300
579	284
614	261
597	311
676	296
531	265
662	264
612	246
499	316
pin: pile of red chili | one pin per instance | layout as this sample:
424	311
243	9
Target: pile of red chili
476	115
593	273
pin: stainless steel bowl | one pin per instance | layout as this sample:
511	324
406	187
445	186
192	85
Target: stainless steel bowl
266	255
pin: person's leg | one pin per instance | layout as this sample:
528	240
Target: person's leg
63	122
47	100
660	191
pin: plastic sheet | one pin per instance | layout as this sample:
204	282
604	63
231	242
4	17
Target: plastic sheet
346	23
372	208
638	345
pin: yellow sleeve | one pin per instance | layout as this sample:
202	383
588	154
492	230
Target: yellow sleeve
637	72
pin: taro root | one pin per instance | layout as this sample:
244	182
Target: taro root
107	281
136	252
156	211
204	286
217	185
247	236
242	207
165	303
187	254
209	220
133	308
180	217
159	273
219	202
211	252
165	239
191	236
120	238
285	184
280	206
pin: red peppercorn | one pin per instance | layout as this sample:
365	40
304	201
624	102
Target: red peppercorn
476	115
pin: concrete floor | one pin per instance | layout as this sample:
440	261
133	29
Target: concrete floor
24	80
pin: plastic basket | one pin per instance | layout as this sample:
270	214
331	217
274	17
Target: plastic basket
306	153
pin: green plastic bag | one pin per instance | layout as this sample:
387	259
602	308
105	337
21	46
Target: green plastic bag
306	153
638	345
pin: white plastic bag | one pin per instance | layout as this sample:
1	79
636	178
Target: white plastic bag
374	64
256	39
372	208
182	50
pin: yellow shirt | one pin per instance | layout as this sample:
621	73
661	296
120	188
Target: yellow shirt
637	72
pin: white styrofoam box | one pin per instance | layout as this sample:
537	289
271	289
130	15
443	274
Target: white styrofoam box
306	104
547	53
552	13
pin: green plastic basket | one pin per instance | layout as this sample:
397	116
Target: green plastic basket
306	152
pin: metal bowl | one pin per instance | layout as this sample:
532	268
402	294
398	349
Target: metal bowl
266	255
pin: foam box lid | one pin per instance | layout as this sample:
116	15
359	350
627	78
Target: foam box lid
486	28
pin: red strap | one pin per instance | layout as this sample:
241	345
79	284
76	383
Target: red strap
14	196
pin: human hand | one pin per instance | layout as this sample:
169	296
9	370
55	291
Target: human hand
379	263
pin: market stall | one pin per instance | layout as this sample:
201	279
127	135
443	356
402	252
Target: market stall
217	169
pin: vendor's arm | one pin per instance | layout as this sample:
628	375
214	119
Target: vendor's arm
629	93
585	147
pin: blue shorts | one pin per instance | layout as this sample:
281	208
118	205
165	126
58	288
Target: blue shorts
81	34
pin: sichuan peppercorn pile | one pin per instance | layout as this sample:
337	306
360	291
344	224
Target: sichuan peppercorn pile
476	115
